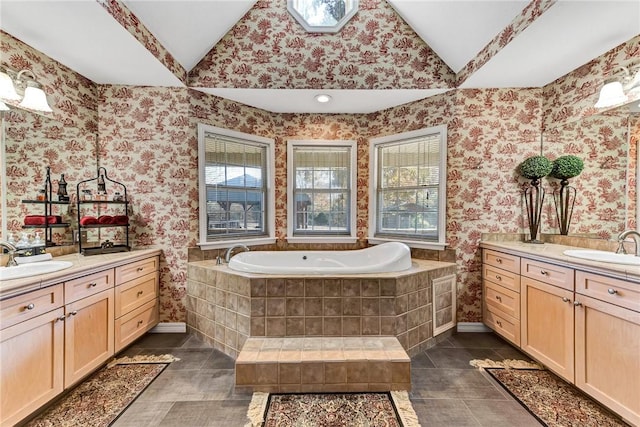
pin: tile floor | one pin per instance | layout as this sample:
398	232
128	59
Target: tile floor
198	390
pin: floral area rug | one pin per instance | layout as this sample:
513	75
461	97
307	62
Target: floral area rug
101	398
553	401
332	410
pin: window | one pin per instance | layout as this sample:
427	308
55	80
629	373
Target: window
236	174
408	190
322	16
321	182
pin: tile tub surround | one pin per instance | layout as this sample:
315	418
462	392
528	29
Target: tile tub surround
225	307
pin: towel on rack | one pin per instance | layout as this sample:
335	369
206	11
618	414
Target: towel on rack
105	219
88	220
120	220
42	220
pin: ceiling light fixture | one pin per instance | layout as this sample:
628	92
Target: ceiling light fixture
323	98
14	84
616	89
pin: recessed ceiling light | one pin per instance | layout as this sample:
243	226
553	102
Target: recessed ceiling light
323	98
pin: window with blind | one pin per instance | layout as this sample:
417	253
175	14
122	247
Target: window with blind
321	184
234	185
408	188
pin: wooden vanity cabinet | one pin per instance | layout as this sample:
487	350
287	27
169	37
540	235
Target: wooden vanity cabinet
31	352
501	294
607	359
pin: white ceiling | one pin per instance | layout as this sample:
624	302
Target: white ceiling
83	36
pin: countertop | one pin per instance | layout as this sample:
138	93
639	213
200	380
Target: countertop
553	253
81	265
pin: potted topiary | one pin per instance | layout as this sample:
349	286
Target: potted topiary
534	168
565	167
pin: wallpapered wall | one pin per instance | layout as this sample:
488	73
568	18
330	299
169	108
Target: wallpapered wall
147	138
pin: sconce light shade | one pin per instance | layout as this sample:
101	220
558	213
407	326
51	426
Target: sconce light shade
7	89
611	94
35	99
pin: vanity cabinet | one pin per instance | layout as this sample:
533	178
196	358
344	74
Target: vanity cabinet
608	342
583	326
53	337
31	352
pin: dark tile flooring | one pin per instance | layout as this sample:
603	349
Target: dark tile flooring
198	390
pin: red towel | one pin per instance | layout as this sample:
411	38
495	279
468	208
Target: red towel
105	219
88	220
120	220
42	220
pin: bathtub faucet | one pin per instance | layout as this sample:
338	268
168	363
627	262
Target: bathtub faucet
227	256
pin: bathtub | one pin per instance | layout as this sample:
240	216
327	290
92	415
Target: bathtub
387	257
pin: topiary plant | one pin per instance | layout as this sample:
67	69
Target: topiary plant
565	167
535	167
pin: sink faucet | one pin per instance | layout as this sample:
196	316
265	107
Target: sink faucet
12	252
227	256
634	235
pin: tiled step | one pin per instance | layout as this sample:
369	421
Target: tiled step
326	364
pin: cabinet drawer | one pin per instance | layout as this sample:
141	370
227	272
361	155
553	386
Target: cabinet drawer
502	299
503	325
614	291
133	325
548	273
127	272
135	293
24	307
501	277
88	285
501	260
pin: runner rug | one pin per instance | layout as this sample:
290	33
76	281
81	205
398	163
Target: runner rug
553	401
101	398
332	410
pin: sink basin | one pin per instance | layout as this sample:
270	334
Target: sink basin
603	256
27	270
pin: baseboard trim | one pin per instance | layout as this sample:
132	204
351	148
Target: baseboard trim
169	328
472	327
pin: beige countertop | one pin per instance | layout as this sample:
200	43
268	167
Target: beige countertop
553	253
81	265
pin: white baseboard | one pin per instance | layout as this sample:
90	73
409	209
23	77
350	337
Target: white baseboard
169	328
472	327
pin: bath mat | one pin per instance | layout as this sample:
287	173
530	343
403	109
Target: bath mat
101	398
553	401
332	409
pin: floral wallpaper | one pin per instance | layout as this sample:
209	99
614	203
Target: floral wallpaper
268	49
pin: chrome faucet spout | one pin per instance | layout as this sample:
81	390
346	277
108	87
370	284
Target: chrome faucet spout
227	256
12	253
629	233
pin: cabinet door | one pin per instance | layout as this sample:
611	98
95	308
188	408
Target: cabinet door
547	325
88	335
607	355
31	369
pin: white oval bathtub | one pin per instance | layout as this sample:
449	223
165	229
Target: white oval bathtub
387	257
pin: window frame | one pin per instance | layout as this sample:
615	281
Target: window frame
374	238
349	237
269	220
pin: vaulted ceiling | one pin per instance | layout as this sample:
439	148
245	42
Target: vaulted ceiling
390	53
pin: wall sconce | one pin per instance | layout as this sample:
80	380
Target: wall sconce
33	98
616	89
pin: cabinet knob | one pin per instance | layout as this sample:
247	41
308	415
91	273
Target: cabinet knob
139	293
93	285
543	272
499	323
499	298
612	291
139	268
30	306
73	313
499	260
60	319
577	303
565	299
140	322
498	277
